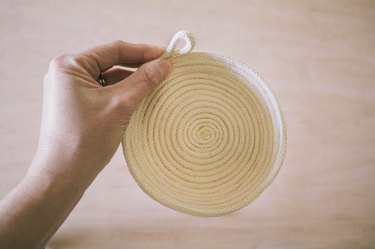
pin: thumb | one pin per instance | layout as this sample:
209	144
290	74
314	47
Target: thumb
138	85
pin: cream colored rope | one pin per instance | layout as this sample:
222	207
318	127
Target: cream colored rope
210	138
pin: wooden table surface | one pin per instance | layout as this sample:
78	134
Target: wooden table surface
317	56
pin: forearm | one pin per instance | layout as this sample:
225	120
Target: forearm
35	209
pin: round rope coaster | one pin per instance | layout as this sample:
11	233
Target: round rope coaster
210	138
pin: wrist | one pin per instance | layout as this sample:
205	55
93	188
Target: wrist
62	168
47	186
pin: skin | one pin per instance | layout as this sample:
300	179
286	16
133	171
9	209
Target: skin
82	126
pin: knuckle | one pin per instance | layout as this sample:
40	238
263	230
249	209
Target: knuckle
118	43
56	62
60	67
70	62
87	61
75	60
64	61
150	76
146	50
143	45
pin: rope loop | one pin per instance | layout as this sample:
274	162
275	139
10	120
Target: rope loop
182	35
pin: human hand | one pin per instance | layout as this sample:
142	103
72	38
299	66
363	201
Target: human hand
83	123
82	126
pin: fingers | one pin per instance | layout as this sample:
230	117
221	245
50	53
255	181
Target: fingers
106	56
146	78
133	89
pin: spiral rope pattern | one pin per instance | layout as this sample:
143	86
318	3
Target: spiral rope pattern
209	139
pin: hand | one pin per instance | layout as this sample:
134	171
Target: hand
82	126
83	123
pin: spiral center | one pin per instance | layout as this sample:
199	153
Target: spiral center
204	134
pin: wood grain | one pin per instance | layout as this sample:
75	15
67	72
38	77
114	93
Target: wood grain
317	56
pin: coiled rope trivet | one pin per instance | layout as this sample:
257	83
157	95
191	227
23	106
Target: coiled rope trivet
210	138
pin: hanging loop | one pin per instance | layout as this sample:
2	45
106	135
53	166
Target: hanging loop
182	35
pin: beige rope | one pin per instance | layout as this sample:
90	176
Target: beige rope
209	139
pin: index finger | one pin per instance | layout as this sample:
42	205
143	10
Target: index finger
121	53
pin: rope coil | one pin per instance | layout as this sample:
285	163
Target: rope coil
210	138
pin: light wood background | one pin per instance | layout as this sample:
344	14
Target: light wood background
317	56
